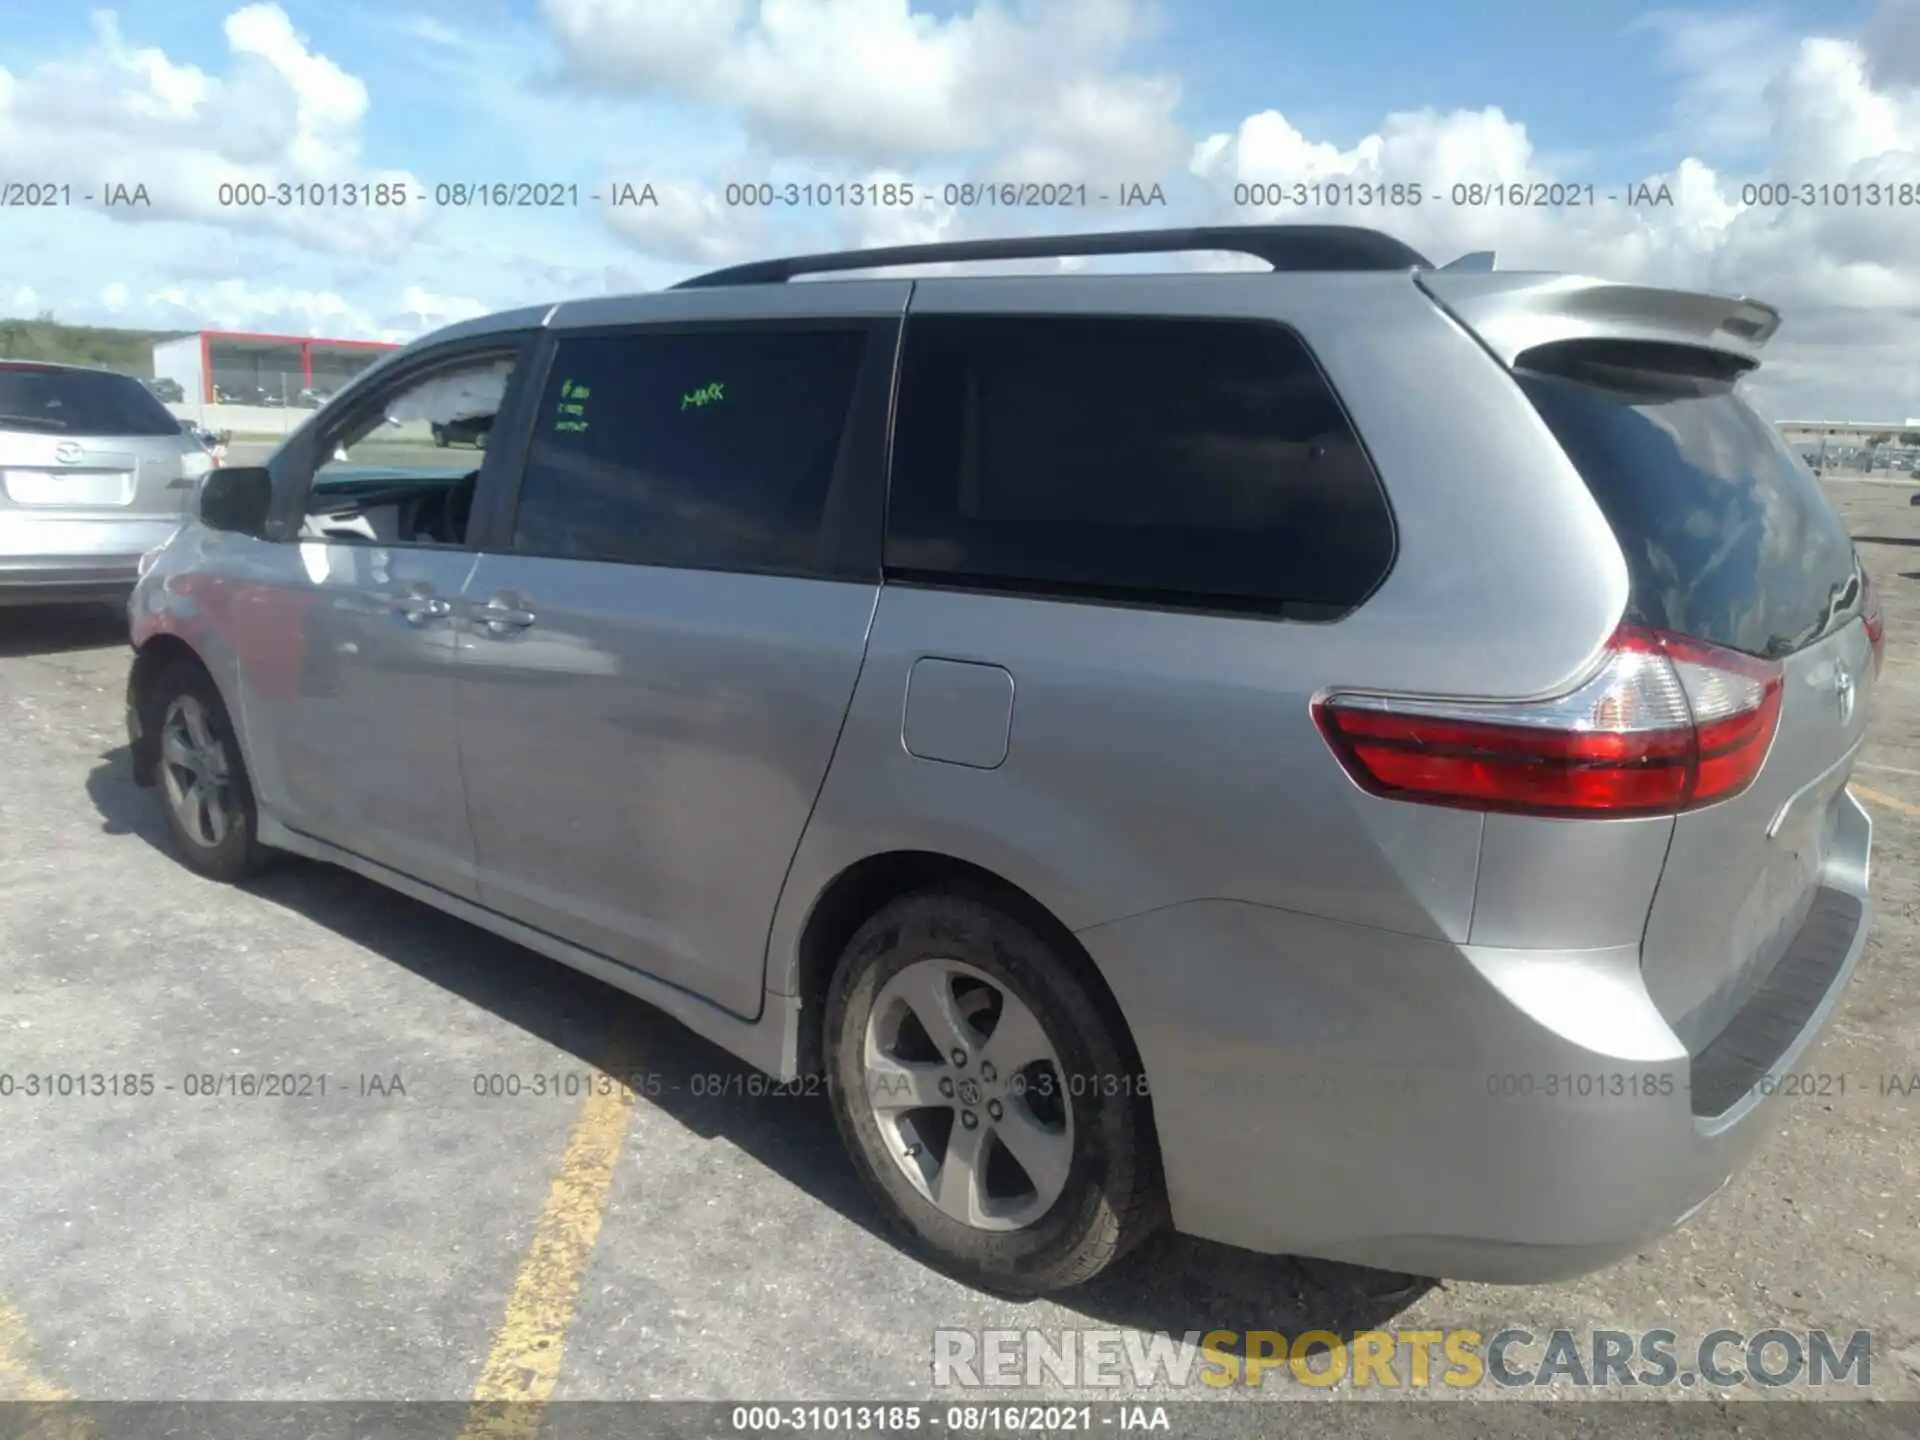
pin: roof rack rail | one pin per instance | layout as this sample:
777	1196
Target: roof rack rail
1285	247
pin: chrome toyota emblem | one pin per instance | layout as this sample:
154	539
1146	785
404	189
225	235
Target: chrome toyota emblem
67	453
1843	691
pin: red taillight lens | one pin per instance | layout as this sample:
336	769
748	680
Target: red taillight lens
1665	724
1870	617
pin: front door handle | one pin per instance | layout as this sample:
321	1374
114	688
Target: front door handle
501	617
422	605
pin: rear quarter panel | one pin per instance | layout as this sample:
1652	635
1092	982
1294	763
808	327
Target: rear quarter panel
1158	756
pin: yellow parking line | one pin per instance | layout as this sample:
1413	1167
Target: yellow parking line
1874	797
19	1380
48	1415
524	1364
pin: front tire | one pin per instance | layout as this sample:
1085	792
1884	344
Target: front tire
202	778
440	437
988	1097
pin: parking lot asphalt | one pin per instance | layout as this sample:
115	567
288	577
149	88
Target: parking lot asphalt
406	1235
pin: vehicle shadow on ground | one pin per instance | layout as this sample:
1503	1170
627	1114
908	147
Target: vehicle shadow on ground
1173	1283
55	629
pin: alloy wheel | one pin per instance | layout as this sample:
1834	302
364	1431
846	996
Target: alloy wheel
968	1094
195	772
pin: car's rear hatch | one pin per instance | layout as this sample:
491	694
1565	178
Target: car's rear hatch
86	444
1730	541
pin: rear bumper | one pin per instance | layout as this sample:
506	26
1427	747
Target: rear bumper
46	559
1497	1115
37	581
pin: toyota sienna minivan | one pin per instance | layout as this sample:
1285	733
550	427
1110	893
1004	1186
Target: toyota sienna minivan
1348	760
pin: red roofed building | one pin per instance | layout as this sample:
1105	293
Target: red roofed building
244	368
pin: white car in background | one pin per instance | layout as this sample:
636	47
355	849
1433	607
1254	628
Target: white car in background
214	442
94	473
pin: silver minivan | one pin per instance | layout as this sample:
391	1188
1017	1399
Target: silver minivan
1348	761
94	472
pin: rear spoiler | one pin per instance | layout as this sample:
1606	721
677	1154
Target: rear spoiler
1514	312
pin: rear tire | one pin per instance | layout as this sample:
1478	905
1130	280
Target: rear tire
202	777
1024	1176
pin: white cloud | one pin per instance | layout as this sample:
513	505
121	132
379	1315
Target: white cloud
1434	152
874	81
689	222
689	95
709	225
432	310
274	309
293	310
1892	43
1847	275
122	113
1722	62
856	92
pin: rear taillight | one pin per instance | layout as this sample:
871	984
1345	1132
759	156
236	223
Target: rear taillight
1870	617
1664	725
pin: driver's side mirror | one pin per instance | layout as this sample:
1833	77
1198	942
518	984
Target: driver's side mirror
340	452
237	499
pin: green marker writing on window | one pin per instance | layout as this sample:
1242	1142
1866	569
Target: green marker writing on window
708	394
570	413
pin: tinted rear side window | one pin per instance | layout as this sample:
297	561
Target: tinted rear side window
708	450
1177	461
52	401
1728	536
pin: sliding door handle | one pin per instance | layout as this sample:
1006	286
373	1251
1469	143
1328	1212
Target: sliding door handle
502	617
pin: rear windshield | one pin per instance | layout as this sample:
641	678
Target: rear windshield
1728	536
79	402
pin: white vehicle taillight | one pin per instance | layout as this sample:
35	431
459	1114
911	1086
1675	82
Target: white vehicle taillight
1666	724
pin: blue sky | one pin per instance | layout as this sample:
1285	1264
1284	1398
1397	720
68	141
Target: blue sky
1340	67
187	94
1337	67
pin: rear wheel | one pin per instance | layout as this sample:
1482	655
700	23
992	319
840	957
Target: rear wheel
988	1097
203	779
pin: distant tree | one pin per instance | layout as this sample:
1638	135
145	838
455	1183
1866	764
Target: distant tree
47	339
1910	439
1883	438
